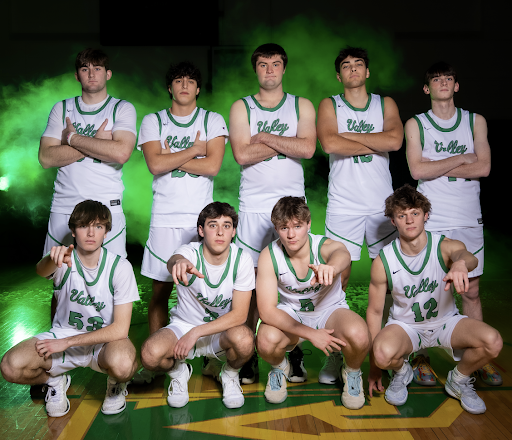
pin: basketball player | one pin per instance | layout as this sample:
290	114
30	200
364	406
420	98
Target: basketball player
88	138
271	132
214	280
306	271
358	130
448	152
183	147
94	291
420	268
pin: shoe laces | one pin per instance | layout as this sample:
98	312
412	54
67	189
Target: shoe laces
398	381
116	389
333	361
467	388
275	378
354	382
231	385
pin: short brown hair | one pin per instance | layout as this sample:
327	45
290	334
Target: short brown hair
96	57
268	50
290	208
406	197
439	69
89	211
216	210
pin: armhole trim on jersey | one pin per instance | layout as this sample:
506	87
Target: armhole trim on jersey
386	268
274	261
422	134
382	105
237	262
206	122
472	124
297	107
111	277
64	111
115	110
334	105
159	124
320	258
66	276
440	255
248	110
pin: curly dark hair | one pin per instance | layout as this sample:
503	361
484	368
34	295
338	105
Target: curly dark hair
406	197
181	70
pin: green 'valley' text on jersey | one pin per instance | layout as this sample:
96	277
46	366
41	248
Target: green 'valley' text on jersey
455	201
419	298
298	293
358	185
263	184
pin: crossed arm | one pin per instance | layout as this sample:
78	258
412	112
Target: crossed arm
106	146
467	166
161	160
356	144
179	267
248	150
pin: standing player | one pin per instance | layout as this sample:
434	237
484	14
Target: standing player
88	138
94	290
214	280
183	147
420	268
270	133
448	152
357	130
306	271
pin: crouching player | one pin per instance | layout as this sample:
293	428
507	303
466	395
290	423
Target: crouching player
93	290
305	269
420	269
214	279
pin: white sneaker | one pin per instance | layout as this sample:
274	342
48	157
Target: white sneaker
330	372
465	392
178	388
142	377
211	367
352	396
115	398
57	403
396	393
275	391
232	394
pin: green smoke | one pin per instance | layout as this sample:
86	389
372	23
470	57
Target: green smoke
310	73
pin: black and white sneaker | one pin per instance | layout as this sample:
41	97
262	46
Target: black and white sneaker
297	371
249	371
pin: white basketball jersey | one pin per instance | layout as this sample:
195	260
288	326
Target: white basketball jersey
298	293
203	300
88	178
419	298
358	185
85	304
455	201
176	192
263	184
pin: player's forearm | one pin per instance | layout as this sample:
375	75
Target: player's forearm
464	257
252	153
172	261
231	319
380	142
284	322
46	267
340	260
301	148
206	166
165	163
337	144
58	156
471	170
374	321
432	169
102	149
110	333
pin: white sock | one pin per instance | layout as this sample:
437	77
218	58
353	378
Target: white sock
350	370
53	380
402	368
177	368
282	365
230	371
458	376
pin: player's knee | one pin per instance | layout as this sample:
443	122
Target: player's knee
266	343
242	341
358	337
493	343
150	354
9	368
383	355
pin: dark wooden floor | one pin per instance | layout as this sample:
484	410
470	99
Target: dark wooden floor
311	410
